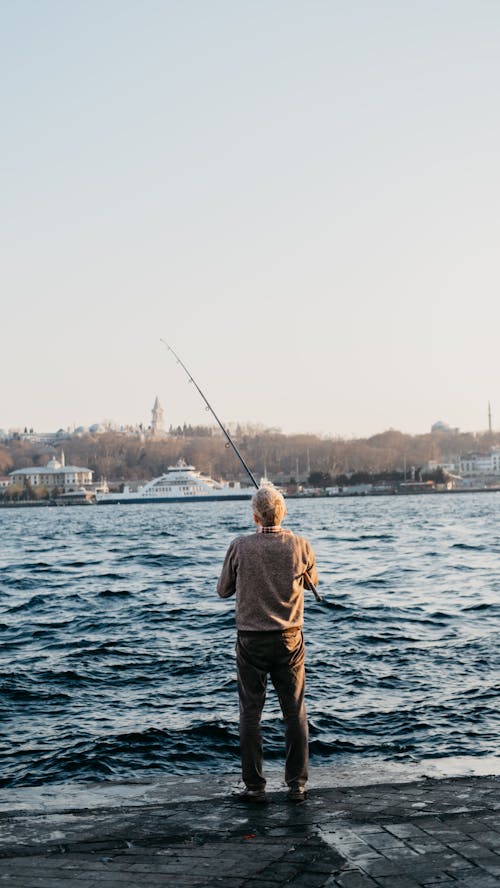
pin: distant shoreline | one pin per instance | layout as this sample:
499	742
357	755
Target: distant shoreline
25	504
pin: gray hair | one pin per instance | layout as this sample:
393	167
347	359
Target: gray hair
269	506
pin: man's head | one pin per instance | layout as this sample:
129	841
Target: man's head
268	506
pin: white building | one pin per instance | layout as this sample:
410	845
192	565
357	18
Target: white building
68	479
471	464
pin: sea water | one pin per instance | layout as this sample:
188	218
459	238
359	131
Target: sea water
117	656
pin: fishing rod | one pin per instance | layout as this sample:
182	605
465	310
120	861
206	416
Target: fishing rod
230	441
212	411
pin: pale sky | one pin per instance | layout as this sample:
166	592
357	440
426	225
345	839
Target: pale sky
303	198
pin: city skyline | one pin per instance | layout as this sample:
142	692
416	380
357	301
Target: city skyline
159	423
302	199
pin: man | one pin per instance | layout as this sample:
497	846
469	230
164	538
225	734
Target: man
268	571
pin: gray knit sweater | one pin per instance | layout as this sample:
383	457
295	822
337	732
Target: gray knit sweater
266	571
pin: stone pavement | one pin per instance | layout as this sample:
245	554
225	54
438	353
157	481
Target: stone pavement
396	833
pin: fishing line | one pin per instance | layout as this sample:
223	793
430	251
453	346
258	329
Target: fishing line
212	411
230	441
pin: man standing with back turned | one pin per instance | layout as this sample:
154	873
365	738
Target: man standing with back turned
268	571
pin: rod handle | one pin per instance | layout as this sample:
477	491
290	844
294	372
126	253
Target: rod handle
312	587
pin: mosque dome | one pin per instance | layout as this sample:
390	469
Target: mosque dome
440	426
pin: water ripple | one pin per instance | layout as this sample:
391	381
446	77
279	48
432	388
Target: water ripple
118	659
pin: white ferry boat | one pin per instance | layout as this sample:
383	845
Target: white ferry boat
180	483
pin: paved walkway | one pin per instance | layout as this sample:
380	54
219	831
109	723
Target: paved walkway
190	832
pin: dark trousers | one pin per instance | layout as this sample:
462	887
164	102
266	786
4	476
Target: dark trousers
280	655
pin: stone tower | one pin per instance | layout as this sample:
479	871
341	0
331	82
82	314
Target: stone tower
157	418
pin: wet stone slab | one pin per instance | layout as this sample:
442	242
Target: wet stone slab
421	833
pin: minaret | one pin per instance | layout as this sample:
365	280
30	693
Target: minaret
157	415
489	418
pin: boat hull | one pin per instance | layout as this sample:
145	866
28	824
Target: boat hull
200	498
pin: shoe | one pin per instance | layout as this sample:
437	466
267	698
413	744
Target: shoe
255	796
297	793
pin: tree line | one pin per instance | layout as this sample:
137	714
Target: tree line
303	458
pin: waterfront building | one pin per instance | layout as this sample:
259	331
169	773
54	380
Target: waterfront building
480	464
56	474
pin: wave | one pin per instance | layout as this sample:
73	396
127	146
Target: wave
469	547
119	656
